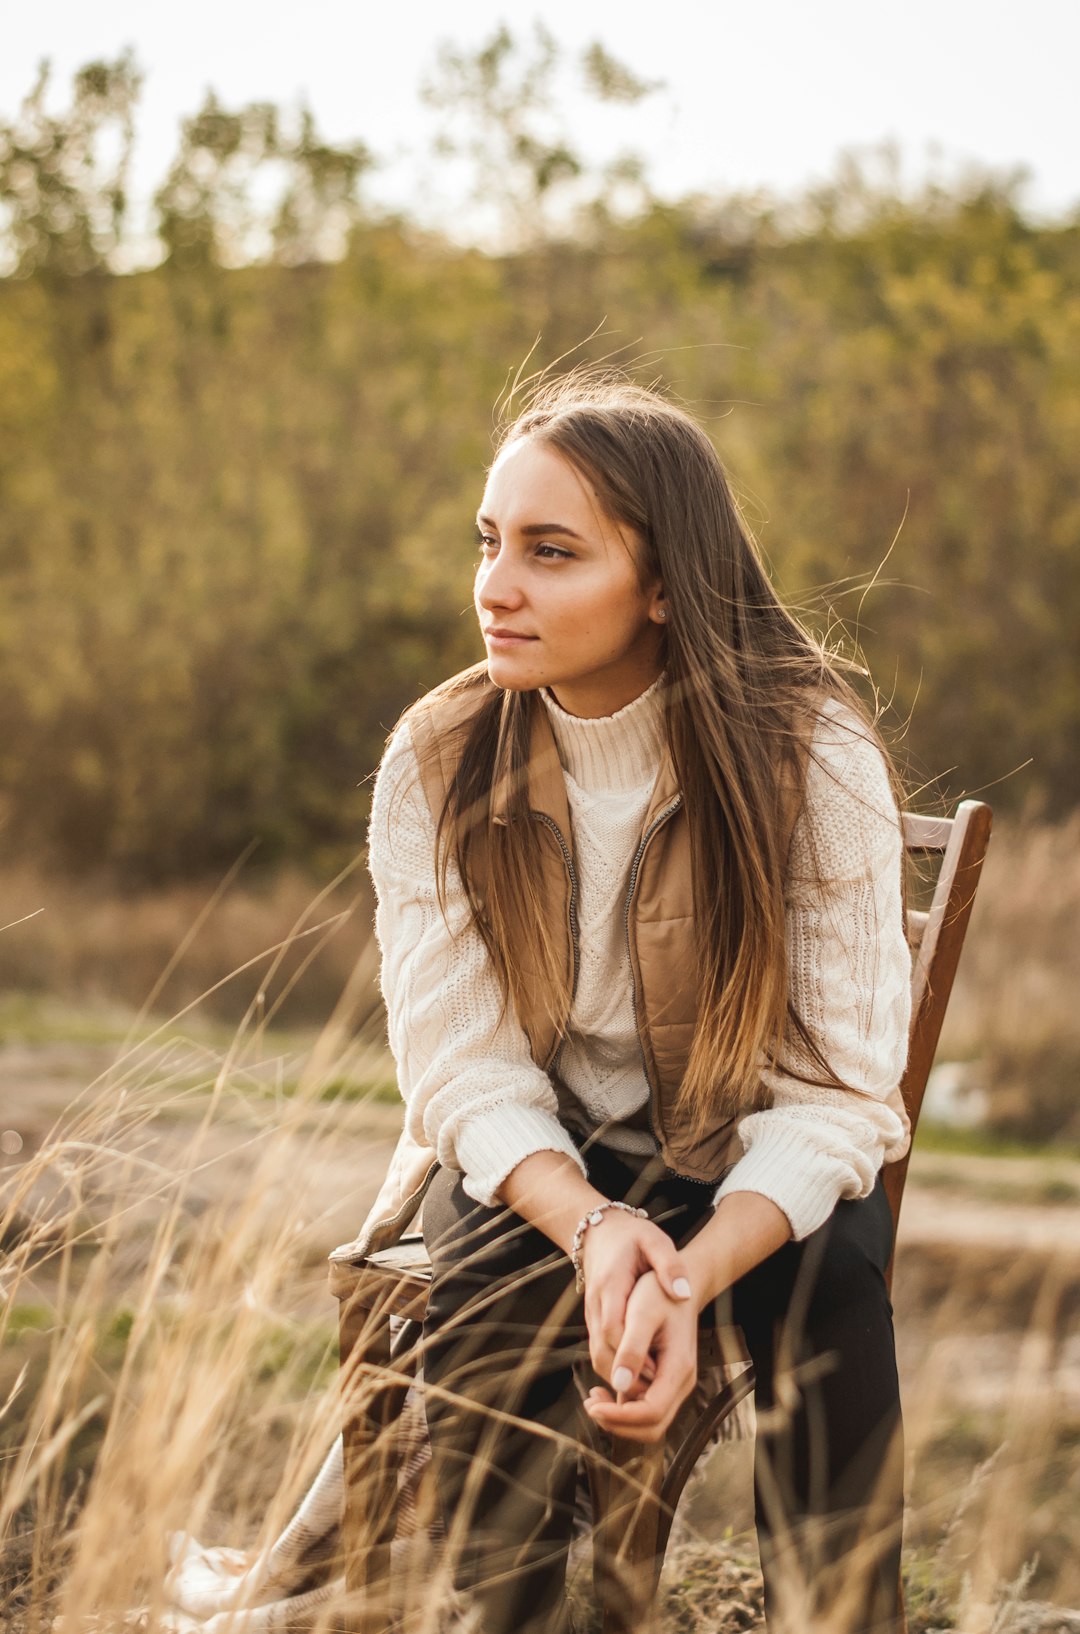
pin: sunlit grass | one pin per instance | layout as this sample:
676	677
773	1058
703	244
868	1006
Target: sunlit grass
943	1138
167	1345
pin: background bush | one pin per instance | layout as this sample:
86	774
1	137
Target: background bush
236	488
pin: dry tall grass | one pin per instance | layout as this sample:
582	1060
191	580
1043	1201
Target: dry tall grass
1014	1008
167	1351
211	942
163	1385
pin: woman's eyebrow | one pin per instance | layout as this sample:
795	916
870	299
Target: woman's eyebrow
533	530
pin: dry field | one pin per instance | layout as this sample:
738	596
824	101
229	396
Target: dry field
169	1191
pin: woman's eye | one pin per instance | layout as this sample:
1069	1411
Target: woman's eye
485	541
553	552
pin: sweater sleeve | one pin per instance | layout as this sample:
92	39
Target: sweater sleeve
849	981
471	1088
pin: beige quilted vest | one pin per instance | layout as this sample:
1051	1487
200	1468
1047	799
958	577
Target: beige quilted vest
658	911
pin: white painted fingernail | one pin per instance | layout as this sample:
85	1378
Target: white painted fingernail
622	1378
681	1288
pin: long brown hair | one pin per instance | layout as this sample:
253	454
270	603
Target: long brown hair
744	679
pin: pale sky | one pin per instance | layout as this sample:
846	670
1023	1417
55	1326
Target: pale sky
758	94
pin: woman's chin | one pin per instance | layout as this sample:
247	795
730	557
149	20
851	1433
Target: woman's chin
511	675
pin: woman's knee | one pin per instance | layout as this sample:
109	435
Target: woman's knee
853	1254
834	1275
499	1288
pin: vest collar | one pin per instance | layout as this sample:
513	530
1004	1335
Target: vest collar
547	785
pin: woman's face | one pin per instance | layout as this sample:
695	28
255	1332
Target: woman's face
557	591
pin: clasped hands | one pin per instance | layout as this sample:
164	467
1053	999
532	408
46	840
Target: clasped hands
642	1295
642	1323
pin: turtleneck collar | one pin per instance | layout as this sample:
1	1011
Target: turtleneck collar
611	753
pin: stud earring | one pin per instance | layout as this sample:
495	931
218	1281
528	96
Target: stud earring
661	612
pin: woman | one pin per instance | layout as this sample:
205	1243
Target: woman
639	906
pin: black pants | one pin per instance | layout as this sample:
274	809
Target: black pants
502	1330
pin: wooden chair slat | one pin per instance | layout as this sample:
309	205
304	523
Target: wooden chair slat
916	928
934	968
925	833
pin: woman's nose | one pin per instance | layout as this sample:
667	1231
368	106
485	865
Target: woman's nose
498	583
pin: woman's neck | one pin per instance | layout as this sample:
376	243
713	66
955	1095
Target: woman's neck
607	692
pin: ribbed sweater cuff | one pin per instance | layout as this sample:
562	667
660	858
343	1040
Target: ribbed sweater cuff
804	1183
494	1142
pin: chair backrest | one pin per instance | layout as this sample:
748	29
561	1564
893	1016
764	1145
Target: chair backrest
936	937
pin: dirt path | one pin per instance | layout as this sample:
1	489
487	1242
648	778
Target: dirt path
991	1201
322	1162
958	1214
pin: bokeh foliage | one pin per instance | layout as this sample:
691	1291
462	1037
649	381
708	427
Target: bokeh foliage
236	487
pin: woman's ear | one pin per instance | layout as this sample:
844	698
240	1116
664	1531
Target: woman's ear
658	610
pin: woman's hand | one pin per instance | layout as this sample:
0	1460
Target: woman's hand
654	1365
549	1191
642	1295
616	1255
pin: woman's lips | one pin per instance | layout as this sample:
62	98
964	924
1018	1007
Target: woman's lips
506	638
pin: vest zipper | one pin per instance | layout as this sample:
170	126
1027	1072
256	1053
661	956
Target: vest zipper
553	1063
575	952
634	869
406	1209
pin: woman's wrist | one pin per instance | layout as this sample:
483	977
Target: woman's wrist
551	1193
745	1229
595	1217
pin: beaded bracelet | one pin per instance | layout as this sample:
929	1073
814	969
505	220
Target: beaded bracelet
593	1218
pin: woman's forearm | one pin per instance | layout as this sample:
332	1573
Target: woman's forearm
745	1229
551	1193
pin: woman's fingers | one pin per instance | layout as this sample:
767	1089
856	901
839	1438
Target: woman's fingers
601	1395
667	1262
654	1365
605	1316
646	1313
645	1417
618	1264
641	1244
641	1420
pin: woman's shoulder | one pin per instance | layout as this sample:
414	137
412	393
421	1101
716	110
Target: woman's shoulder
397	803
841	735
410	779
436	725
454	701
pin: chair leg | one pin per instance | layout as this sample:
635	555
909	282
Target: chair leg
627	1551
688	1438
374	1388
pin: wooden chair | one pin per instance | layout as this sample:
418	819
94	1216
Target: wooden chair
635	1489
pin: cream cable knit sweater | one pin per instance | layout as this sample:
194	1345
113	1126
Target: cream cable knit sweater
471	1088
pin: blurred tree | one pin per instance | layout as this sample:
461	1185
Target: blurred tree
613	81
320	205
922	366
235	505
213	205
502	116
205	208
63	177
